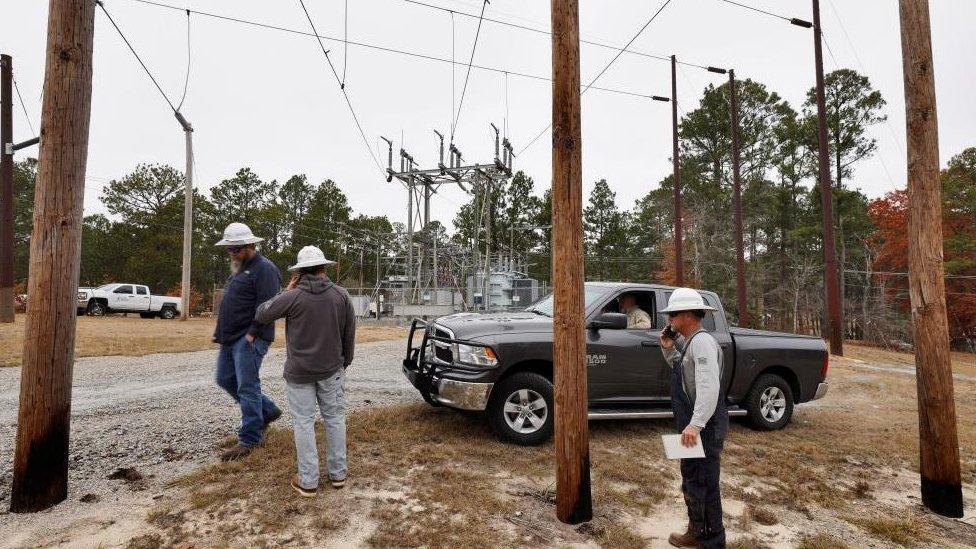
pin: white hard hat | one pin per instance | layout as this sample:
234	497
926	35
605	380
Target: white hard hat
686	299
310	256
238	234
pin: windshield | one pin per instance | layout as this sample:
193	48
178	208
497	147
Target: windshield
544	305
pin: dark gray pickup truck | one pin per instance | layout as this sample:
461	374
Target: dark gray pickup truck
502	363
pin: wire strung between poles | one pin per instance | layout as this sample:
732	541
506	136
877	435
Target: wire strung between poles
468	73
352	111
378	48
23	107
133	50
186	83
605	69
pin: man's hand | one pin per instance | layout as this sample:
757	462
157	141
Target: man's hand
666	342
293	283
249	338
689	436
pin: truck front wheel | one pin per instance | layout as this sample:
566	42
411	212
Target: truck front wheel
770	403
521	409
95	308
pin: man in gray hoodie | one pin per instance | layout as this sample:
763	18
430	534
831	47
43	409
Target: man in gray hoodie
320	328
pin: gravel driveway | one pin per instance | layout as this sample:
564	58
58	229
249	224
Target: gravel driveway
163	415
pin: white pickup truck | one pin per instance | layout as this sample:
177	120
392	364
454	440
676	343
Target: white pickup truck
126	298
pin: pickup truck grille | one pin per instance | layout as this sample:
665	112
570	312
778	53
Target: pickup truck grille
442	350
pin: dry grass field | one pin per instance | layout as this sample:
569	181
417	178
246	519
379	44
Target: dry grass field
133	336
843	474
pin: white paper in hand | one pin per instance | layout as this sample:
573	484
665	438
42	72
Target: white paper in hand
673	448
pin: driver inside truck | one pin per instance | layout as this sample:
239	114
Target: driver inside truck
637	318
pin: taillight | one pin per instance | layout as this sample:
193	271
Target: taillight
826	364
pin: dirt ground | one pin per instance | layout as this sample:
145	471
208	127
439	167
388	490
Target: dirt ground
842	474
116	335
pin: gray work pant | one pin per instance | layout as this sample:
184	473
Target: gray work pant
330	398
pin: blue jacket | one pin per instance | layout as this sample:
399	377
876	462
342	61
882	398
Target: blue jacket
257	281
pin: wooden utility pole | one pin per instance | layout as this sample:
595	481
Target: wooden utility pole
742	303
40	472
185	286
831	274
6	190
679	277
573	504
938	440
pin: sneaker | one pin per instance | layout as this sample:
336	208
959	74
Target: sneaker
236	452
304	492
338	482
269	419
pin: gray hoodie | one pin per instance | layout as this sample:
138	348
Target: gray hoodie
320	328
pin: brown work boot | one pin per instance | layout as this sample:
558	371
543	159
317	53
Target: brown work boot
685	539
235	452
304	492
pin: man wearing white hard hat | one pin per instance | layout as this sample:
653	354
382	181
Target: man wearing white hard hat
243	343
320	328
698	401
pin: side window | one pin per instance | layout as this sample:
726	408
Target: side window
123	290
644	301
141	290
708	323
662	318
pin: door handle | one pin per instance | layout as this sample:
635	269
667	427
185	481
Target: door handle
650	343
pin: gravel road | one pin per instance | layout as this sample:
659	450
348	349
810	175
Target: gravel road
163	415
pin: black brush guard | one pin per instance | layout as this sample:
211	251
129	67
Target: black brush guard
430	368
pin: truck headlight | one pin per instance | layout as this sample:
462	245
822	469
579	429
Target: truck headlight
82	296
476	356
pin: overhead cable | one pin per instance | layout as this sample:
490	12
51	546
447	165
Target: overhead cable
186	82
464	88
377	47
24	107
352	111
548	33
605	69
144	67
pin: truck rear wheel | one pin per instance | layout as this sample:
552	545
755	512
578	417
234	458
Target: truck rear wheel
770	403
167	313
521	409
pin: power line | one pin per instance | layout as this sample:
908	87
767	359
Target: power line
133	50
378	47
752	8
607	67
900	273
24	107
549	33
342	88
464	88
186	82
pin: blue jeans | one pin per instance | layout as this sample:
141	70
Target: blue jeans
238	367
330	396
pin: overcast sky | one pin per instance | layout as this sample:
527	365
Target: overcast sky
266	99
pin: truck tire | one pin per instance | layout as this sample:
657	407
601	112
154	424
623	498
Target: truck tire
95	308
167	313
770	403
521	409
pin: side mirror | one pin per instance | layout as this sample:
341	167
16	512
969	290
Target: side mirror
609	321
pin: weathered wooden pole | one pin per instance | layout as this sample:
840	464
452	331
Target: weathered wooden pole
679	276
40	473
185	285
742	303
6	190
573	504
938	440
831	274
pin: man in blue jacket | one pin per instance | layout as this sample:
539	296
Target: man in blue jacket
254	279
